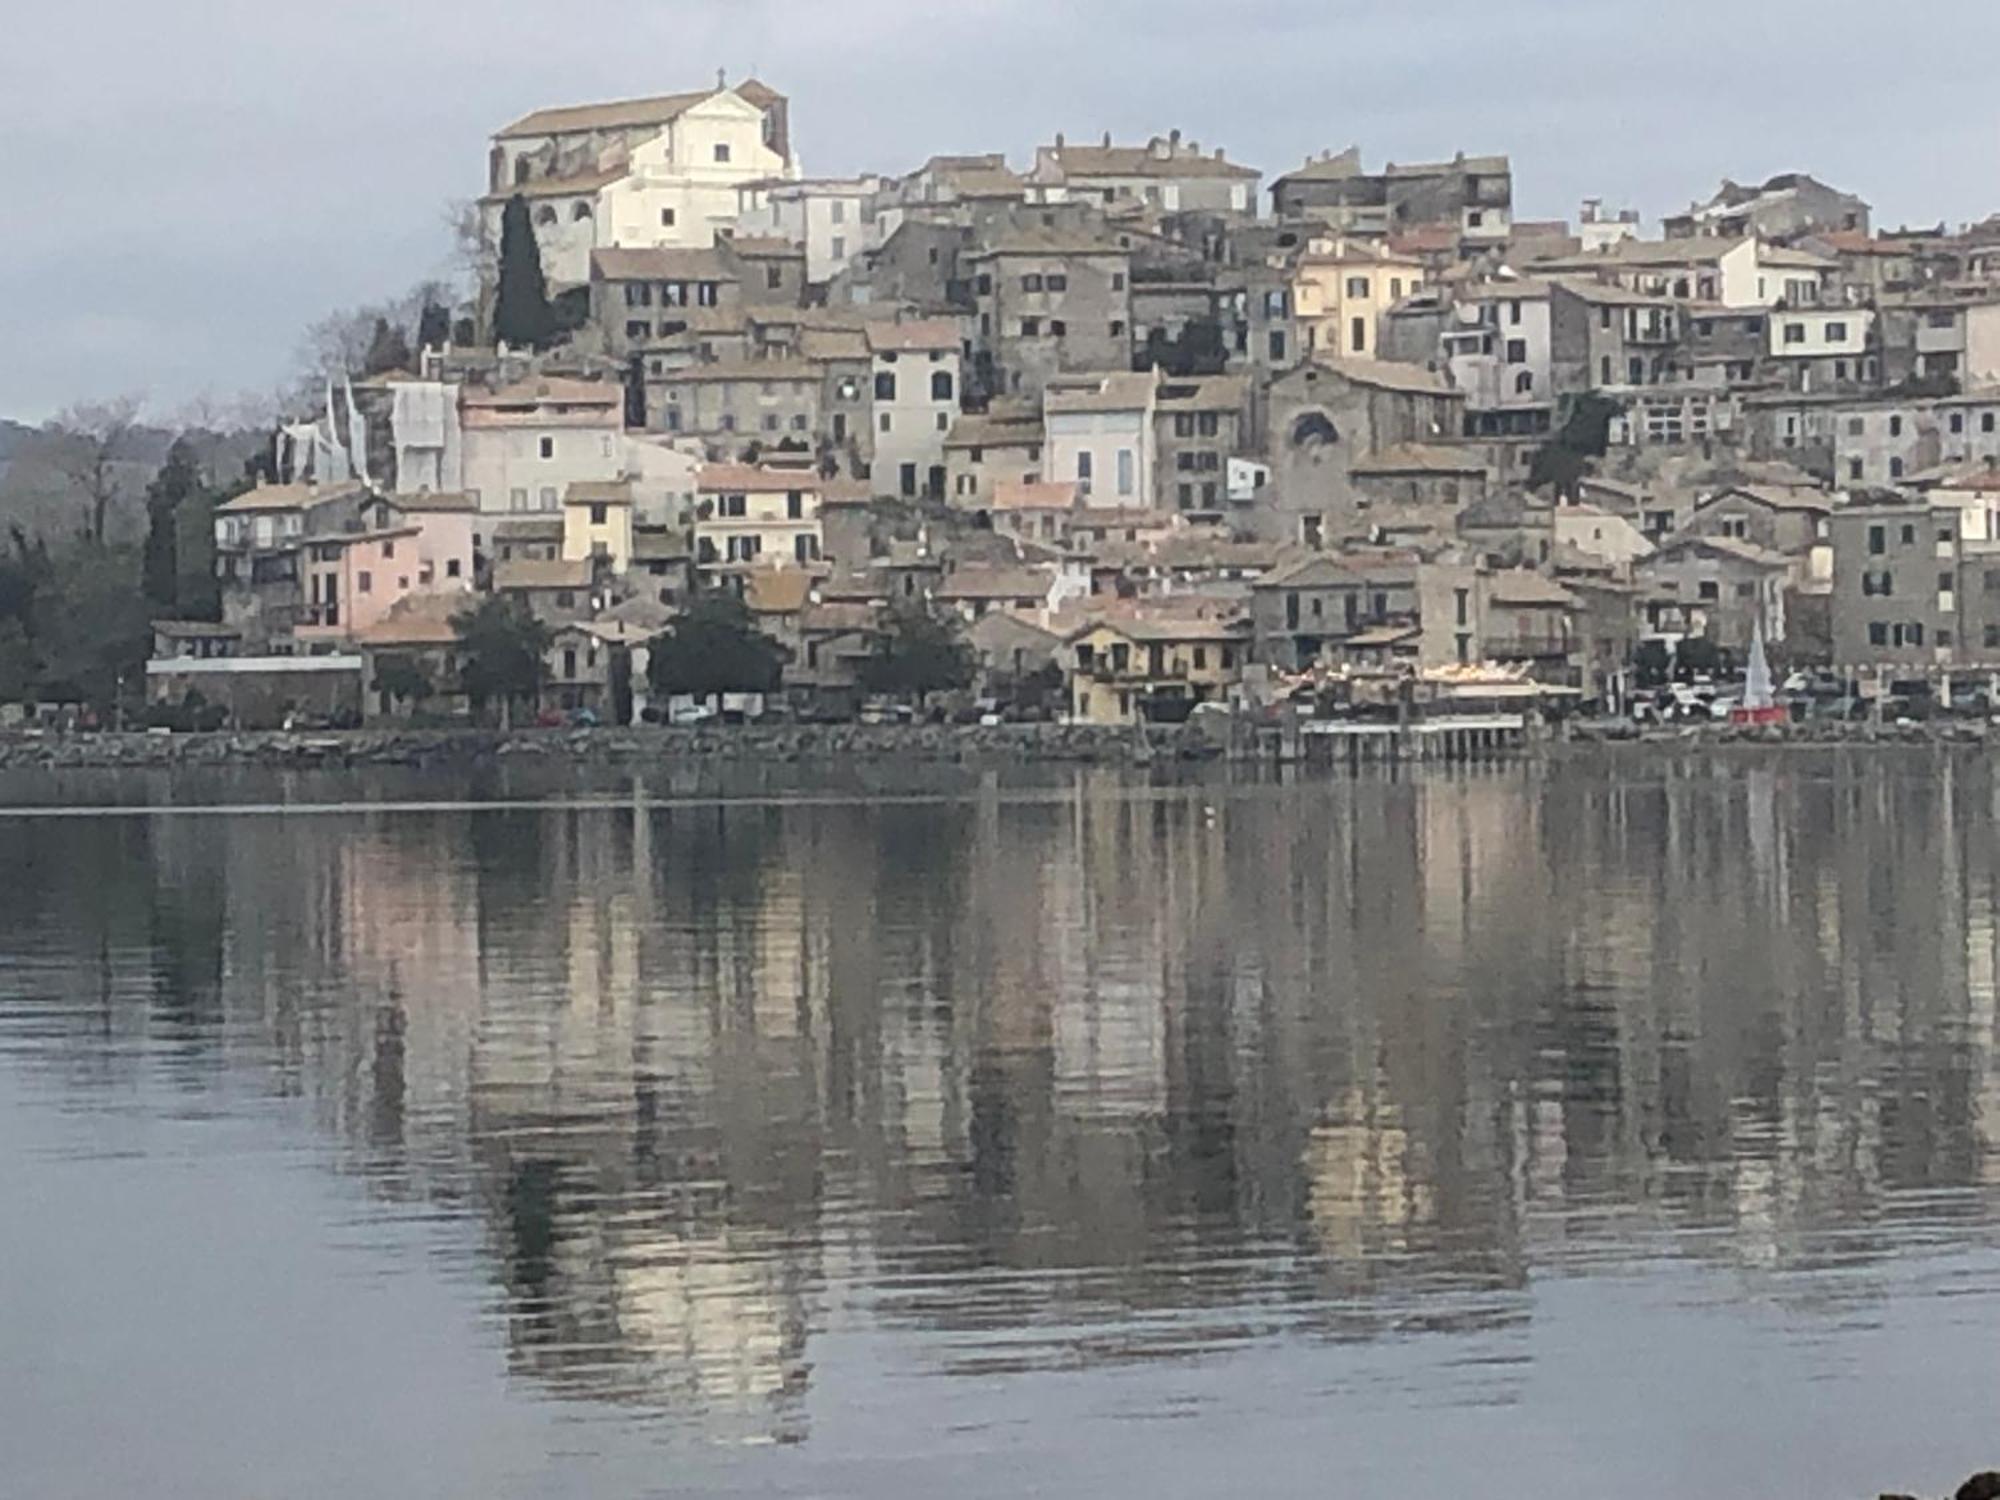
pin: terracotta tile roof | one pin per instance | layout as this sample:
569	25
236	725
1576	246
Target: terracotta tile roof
717	479
1390	376
974	430
1204	393
1144	161
913	336
662	264
420	620
742	369
542	573
427	503
623	114
528	529
777	591
996	583
274	497
554	389
599	492
1522	586
1117	391
1014	494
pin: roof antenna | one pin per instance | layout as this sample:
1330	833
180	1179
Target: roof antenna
721	78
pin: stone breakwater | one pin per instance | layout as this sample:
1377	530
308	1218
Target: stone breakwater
997	744
1965	732
1052	744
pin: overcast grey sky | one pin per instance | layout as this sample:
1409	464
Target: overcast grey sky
190	183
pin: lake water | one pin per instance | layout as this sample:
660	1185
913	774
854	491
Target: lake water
1544	1132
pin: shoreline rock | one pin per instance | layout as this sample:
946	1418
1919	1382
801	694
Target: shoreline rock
1051	743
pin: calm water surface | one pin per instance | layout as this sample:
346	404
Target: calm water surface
1550	1132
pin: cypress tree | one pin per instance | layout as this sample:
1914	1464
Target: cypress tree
433	327
178	480
521	313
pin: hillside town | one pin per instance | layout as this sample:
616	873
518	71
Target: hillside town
1117	433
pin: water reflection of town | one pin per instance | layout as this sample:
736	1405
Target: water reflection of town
1094	1076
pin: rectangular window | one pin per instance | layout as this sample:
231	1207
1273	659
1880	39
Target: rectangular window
795	505
1117	281
885	385
666	218
1057	282
1357	286
451	567
1358	336
1795	333
1895	427
1057	328
1878	633
839	247
1836	333
1277	346
597	514
638	328
1126	470
364	582
1117	328
1878	540
1083	471
1517	351
722	151
1032	282
1031	328
548	447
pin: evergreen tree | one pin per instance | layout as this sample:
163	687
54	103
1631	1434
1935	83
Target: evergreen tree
433	326
387	349
714	647
177	482
918	653
500	654
522	317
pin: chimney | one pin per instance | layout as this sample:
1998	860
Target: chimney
1107	140
1174	136
1218	153
1060	142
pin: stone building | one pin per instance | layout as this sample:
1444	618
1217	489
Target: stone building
1166	174
1786	207
1322	418
1048	303
1198	426
1473	195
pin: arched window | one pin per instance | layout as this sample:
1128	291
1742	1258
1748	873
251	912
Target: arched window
941	385
581	211
1524	383
1314	430
546	214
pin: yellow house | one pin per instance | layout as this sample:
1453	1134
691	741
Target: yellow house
1341	288
597	522
1134	671
752	513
